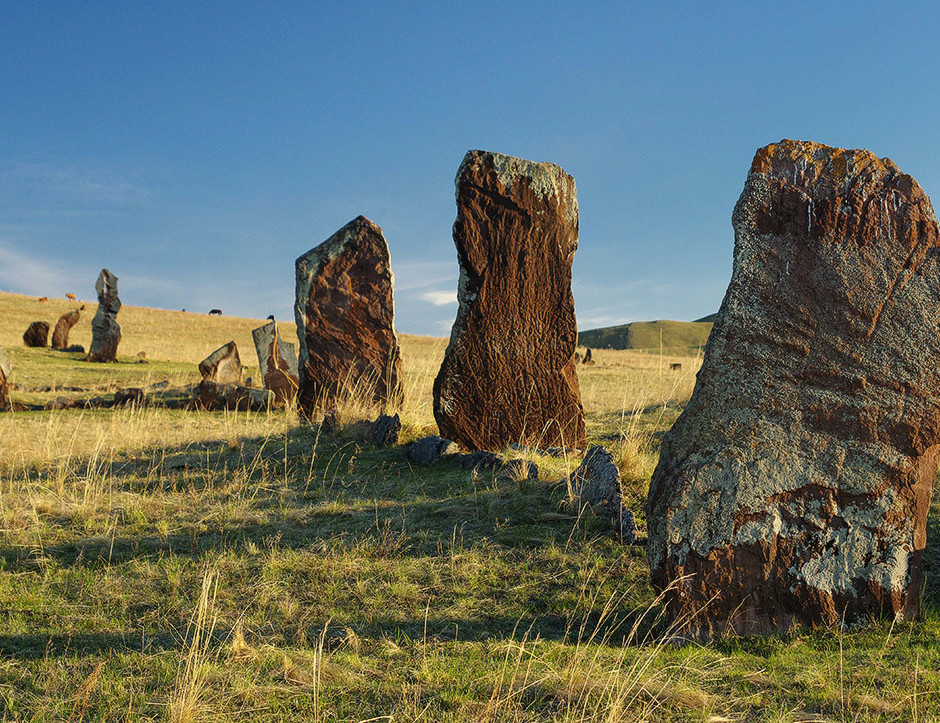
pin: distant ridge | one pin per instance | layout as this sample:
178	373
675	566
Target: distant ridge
710	318
651	335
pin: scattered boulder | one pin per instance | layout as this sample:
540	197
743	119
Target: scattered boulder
385	430
105	330
794	487
479	460
597	483
75	348
429	450
508	373
223	366
37	334
132	396
212	396
5	371
345	319
60	336
277	360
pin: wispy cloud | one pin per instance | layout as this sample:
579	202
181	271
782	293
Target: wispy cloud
28	275
81	185
440	298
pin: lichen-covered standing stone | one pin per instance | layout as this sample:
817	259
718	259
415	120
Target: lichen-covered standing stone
346	319
223	366
60	336
277	361
794	488
105	330
508	374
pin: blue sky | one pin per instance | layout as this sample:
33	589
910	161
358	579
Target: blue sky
196	149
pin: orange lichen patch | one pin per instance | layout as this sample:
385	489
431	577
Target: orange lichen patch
807	161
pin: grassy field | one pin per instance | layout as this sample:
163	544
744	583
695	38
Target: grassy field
674	337
167	565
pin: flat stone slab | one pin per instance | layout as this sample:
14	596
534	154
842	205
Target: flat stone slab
223	366
277	360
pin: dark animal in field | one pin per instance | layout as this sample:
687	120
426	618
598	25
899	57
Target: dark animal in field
70	297
43	298
675	367
215	312
270	317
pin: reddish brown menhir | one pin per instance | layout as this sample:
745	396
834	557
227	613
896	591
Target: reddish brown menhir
794	488
60	336
278	363
508	374
105	330
346	320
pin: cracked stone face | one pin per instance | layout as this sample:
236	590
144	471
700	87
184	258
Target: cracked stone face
794	488
105	330
346	319
508	374
223	366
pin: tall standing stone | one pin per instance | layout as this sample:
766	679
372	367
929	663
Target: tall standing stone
794	488
223	366
346	320
508	374
5	370
105	330
60	336
277	361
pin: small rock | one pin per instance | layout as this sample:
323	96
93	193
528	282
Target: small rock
597	479
131	396
627	526
75	348
330	422
429	450
385	430
37	334
479	460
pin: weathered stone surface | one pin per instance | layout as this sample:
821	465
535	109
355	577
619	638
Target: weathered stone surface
385	430
277	361
223	366
105	330
60	336
508	374
479	460
5	371
345	319
429	450
597	480
132	396
213	396
794	488
36	334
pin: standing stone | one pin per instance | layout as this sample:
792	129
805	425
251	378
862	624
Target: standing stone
60	337
223	366
105	330
508	374
346	321
5	371
278	362
36	334
794	488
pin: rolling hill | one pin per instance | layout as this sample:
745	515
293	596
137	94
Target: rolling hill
652	335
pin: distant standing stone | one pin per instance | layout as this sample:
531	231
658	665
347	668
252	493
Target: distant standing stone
345	319
277	360
794	488
105	330
60	336
223	366
508	373
597	483
37	334
5	371
429	450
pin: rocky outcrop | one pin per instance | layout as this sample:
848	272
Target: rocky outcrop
794	487
212	396
345	320
277	360
60	336
105	330
508	374
430	450
223	366
385	430
36	334
5	371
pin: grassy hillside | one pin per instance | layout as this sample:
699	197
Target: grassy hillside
672	336
165	565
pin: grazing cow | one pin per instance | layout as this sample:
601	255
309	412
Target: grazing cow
70	297
675	366
43	298
215	312
270	317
